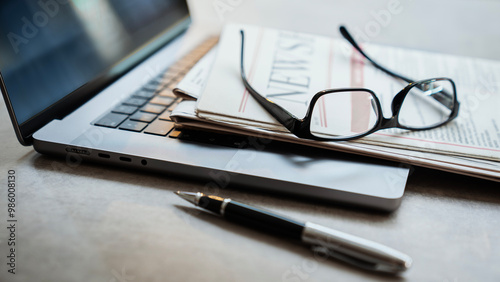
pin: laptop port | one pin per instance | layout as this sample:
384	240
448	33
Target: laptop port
77	151
125	159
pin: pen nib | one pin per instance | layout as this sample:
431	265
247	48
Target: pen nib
193	198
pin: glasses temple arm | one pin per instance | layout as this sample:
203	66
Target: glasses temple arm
351	40
442	97
280	114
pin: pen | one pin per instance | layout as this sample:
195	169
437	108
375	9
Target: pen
348	248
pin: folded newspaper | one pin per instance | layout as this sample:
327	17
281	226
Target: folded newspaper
290	67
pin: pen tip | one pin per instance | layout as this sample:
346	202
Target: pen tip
193	198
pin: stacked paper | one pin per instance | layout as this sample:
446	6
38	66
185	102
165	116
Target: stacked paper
289	68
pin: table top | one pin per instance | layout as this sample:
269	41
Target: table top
97	223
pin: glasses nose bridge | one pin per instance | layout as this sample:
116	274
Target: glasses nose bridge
389	122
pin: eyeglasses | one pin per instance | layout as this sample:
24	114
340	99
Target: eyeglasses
351	113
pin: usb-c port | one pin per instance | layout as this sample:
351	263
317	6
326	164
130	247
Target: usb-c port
106	156
125	159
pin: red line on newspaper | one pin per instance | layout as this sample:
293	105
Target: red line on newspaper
244	99
328	82
324	112
437	142
321	112
360	107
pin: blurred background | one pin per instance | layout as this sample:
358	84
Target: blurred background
460	27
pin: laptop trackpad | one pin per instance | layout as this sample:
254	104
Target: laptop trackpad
320	168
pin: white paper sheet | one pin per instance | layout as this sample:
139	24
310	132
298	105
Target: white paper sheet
289	68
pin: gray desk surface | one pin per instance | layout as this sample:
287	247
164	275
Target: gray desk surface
97	223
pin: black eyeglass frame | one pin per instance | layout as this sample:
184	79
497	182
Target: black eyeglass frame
302	127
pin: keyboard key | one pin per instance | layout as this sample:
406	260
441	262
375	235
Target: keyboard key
124	109
133	125
165	115
159	78
151	87
172	107
175	133
171	86
111	120
179	67
164	101
160	83
159	127
166	93
154	109
134	101
154	81
144	93
169	75
141	116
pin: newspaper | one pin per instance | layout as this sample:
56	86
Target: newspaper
468	145
191	86
184	115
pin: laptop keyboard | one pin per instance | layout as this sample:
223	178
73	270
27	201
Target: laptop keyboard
148	109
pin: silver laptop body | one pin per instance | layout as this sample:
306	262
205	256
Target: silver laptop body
270	166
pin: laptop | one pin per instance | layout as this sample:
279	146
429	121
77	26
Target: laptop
92	81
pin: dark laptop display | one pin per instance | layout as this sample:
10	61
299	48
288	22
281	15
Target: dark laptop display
50	48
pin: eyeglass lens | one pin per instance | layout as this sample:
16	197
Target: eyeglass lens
428	104
343	114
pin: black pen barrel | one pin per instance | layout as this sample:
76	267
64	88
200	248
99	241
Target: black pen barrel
263	220
253	217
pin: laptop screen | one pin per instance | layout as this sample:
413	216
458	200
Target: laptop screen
50	48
